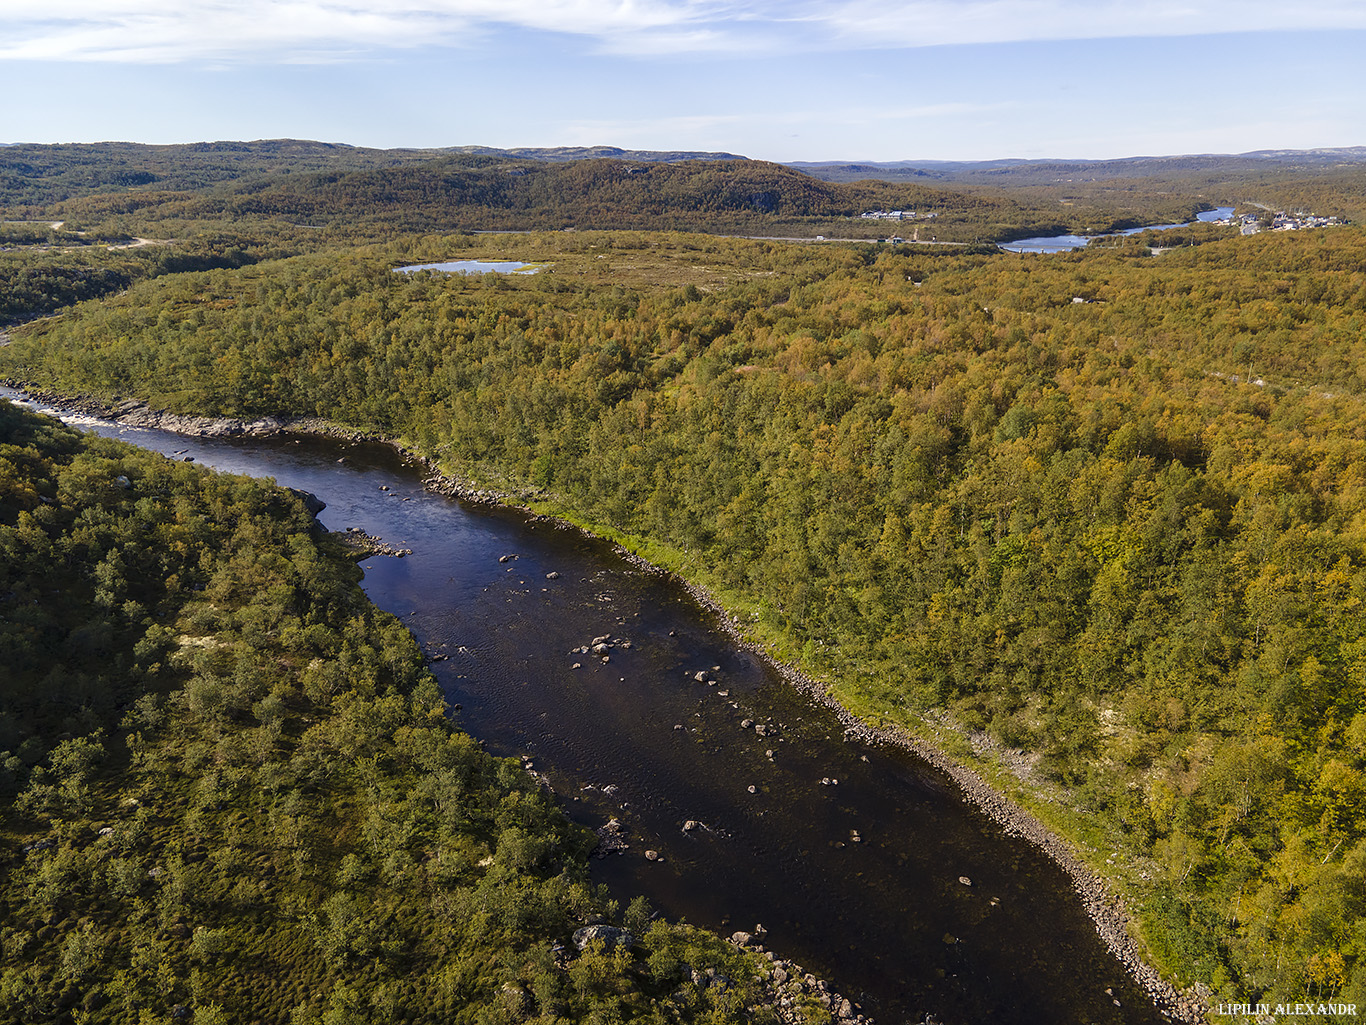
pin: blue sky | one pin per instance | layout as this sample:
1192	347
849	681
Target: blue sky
793	80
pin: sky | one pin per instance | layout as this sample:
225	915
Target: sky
781	80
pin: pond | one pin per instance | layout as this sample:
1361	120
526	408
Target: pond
473	267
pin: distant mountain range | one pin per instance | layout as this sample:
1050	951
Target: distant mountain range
1006	171
1051	171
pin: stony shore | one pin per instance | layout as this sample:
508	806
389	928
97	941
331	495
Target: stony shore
793	991
133	413
363	545
1104	908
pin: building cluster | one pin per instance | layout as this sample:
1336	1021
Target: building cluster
894	215
1250	224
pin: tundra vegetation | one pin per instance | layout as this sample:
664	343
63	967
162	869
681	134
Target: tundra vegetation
1095	522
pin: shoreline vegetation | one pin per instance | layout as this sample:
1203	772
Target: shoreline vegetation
1104	907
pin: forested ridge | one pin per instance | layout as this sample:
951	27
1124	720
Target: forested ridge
1098	517
42	271
39	173
230	790
179	190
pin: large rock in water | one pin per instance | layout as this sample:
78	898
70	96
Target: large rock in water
610	936
311	502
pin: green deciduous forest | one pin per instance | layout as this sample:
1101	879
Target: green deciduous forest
230	791
1093	523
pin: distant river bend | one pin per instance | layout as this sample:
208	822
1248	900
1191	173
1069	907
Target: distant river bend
849	855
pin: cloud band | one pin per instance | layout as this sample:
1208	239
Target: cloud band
170	31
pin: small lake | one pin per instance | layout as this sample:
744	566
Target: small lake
1066	243
473	267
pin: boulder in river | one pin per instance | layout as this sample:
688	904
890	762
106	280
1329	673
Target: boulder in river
611	837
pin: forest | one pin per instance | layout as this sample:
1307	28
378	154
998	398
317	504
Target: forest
1094	523
230	790
304	189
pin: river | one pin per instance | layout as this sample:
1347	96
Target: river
848	854
1066	243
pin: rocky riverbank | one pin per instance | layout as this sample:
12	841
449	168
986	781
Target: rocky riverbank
440	484
363	545
136	413
795	993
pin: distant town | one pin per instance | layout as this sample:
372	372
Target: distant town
896	215
1250	224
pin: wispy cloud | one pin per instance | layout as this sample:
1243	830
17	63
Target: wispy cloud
250	30
888	24
168	31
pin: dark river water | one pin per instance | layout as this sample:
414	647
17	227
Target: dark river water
884	918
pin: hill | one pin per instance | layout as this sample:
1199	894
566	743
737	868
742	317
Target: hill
368	193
